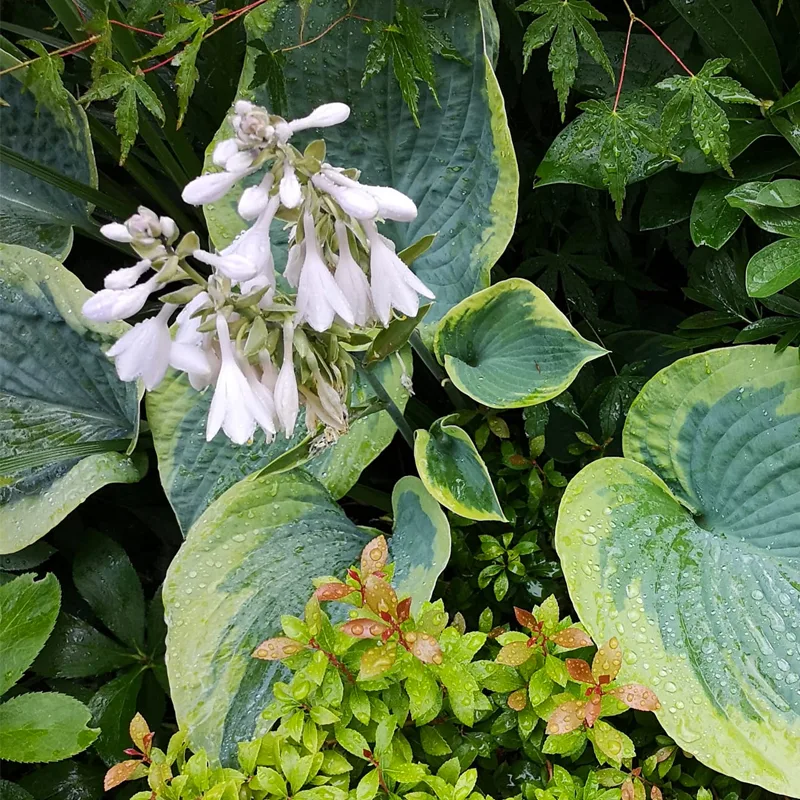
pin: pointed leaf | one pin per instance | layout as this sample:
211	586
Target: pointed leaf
425	647
364	628
375	661
525	618
579	670
374	556
333	591
277	648
514	654
572	638
124	771
634	695
567	717
607	660
380	596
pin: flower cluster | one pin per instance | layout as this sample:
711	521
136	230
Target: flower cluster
267	342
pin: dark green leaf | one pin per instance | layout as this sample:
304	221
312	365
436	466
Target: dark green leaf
113	706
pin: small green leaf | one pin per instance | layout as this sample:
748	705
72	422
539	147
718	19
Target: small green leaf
713	220
773	268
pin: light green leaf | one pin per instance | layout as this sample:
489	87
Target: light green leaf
686	551
420	543
44	726
713	221
34	213
510	347
28	611
773	268
249	559
66	417
465	185
195	472
454	472
783	193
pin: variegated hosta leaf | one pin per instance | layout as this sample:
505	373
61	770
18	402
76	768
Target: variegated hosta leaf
458	165
250	558
66	420
195	472
687	552
510	347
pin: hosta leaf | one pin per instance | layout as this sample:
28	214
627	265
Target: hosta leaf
510	347
28	611
195	472
66	419
687	552
773	268
420	543
44	726
249	559
458	166
34	213
454	472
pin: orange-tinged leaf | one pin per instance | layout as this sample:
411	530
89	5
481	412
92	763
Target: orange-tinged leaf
664	753
525	618
119	773
377	660
364	628
518	700
380	596
579	670
570	638
333	591
655	793
514	654
425	647
626	790
404	609
567	717
278	648
138	729
593	708
374	556
607	660
634	695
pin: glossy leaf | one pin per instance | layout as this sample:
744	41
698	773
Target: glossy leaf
567	717
380	596
572	638
454	472
783	221
525	618
473	204
773	268
607	660
113	706
364	628
579	670
374	556
634	695
235	575
140	733
510	347
713	220
783	193
194	472
277	648
514	654
376	660
333	591
686	552
36	125
518	700
66	417
122	772
425	647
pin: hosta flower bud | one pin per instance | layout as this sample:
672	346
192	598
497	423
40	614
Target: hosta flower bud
208	188
127	277
109	305
117	232
354	201
291	192
253	201
322	117
169	230
224	150
253	128
144	226
233	266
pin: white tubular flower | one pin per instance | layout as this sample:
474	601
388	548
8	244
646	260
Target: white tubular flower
232	266
191	350
263	396
234	407
393	284
192	360
294	263
319	299
169	230
332	404
287	401
254	247
392	204
290	189
254	199
240	162
143	352
354	201
114	304
350	278
188	324
117	232
323	116
269	372
144	226
210	187
127	277
224	150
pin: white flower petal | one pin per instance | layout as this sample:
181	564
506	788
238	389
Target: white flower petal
114	304
117	232
127	277
208	188
224	150
253	201
290	189
232	265
287	401
322	117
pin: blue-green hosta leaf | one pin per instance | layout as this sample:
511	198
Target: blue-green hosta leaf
688	551
458	166
420	543
249	559
510	347
775	219
64	414
32	212
454	472
44	726
773	268
28	611
195	472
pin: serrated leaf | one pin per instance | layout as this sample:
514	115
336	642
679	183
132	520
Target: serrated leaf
187	74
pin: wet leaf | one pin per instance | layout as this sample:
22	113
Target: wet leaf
425	647
377	660
572	638
607	660
579	670
567	717
124	771
634	695
364	628
374	556
333	591
525	618
140	733
380	596
514	654
278	648
404	609
518	700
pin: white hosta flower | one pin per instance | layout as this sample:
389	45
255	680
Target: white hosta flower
209	188
392	204
144	226
224	150
127	277
169	230
287	400
294	263
354	201
319	299
232	266
235	407
254	199
332	403
144	351
188	325
251	125
201	369
265	400
323	116
117	232
392	283
350	278
290	189
240	162
114	304
254	247
269	372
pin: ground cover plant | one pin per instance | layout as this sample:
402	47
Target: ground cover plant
399	400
